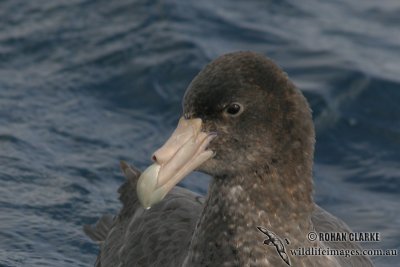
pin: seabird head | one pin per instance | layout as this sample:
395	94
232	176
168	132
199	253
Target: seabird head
241	114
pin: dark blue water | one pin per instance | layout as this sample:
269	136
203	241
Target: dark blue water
84	84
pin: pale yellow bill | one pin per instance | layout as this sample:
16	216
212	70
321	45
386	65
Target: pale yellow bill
183	152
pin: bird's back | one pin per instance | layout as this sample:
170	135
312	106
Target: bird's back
159	236
324	222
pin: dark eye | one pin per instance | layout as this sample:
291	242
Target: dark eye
234	109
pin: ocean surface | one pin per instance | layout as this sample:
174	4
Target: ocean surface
85	84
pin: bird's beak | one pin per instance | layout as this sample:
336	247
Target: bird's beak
183	152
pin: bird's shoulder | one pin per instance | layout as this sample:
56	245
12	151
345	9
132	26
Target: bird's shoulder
159	236
324	222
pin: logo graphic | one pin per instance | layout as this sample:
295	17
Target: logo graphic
274	240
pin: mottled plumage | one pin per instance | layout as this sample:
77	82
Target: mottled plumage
262	176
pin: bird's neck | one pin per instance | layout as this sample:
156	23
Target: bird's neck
235	206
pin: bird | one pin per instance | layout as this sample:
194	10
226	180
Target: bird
247	125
